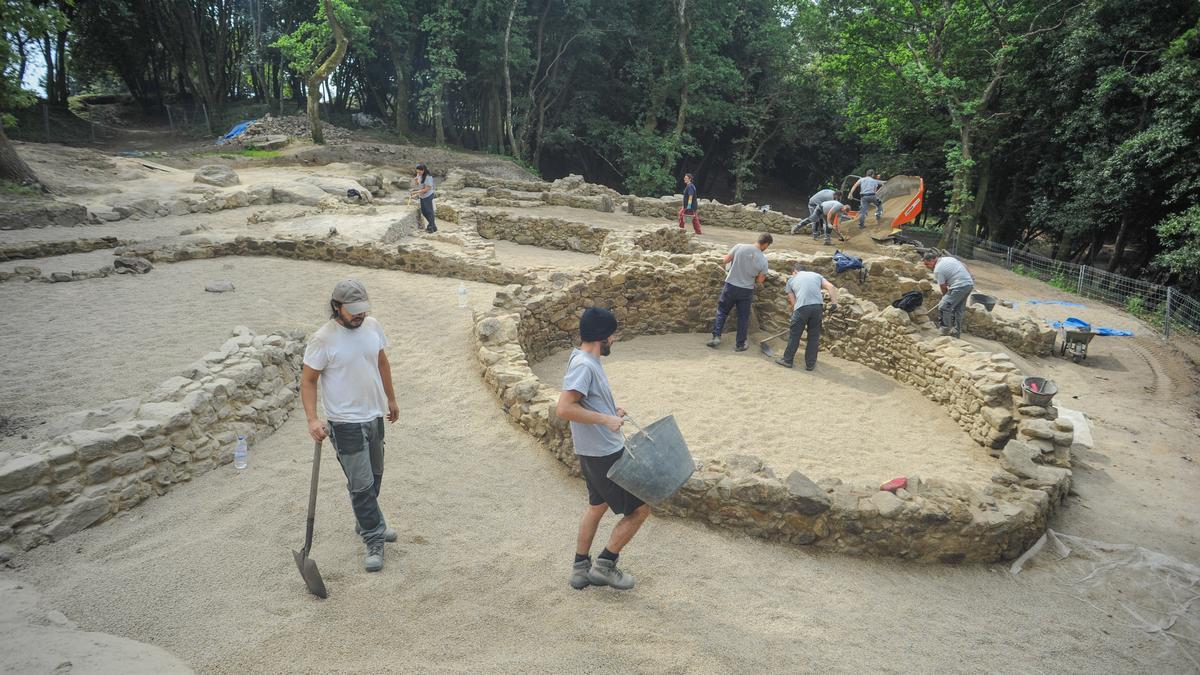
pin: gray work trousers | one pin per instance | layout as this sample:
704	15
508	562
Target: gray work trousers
953	307
804	318
359	447
865	205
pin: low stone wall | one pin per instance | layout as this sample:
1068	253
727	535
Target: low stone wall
742	216
46	249
1023	335
19	213
932	520
551	233
413	257
110	459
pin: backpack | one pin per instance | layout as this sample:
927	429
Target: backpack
843	262
909	301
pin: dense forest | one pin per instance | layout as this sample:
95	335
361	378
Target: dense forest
1074	125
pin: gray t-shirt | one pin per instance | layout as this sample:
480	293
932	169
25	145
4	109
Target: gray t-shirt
806	286
428	180
586	376
748	262
868	186
821	197
953	273
831	206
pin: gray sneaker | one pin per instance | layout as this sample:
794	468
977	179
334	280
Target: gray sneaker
606	573
579	574
714	342
374	560
389	535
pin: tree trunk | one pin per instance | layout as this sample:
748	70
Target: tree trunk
981	195
508	106
48	53
1122	240
497	140
399	61
960	198
318	76
12	167
681	38
439	129
60	75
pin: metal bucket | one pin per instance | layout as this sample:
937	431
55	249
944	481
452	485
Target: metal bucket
656	462
988	302
1046	390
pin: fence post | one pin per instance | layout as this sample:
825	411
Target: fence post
170	119
1079	286
46	120
1167	316
1008	257
207	123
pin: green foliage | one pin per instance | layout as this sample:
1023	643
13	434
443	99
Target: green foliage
1180	237
1060	281
26	18
11	189
308	45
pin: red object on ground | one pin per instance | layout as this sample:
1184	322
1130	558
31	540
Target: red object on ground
894	484
1033	386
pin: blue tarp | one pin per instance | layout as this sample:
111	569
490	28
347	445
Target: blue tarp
1076	324
1064	303
237	130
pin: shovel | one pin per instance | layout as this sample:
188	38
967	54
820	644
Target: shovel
306	565
767	349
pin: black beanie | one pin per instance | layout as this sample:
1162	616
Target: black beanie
596	324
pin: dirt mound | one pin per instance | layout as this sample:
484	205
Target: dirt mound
440	161
291	125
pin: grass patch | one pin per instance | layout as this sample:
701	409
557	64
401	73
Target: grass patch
250	153
10	189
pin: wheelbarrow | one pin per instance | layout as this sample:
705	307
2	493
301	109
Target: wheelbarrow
1075	340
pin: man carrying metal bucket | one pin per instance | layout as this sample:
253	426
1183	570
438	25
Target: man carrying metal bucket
587	403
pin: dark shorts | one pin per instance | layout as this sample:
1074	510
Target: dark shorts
601	490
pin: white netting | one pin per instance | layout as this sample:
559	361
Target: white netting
1156	593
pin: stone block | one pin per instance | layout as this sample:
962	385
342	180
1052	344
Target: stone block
25	500
805	496
1036	428
169	414
21	471
77	515
98	472
114	411
888	504
128	463
216	174
997	417
58	454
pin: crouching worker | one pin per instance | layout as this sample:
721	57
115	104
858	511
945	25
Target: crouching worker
956	284
587	403
808	311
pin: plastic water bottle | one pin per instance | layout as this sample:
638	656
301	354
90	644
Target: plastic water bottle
462	294
240	453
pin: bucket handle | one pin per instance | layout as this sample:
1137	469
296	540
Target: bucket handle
639	428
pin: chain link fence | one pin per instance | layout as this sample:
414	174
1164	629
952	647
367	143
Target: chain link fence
1162	307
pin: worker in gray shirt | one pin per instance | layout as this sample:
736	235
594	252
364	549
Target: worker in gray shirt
746	266
827	216
868	196
587	403
808	311
956	284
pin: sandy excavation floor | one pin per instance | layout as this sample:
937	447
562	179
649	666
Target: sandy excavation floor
486	521
477	582
842	420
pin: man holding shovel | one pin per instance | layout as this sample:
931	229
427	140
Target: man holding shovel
956	284
747	266
347	357
808	310
587	403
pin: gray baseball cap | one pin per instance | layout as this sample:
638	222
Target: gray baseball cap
352	295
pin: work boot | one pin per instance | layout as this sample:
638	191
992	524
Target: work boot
714	342
374	560
579	574
389	535
828	241
740	348
785	364
943	330
605	572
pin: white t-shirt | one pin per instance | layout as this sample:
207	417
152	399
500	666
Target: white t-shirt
351	387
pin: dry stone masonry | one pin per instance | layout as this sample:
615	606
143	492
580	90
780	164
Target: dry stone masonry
110	459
